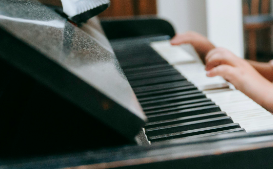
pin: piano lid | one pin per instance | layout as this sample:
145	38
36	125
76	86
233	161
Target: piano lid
75	53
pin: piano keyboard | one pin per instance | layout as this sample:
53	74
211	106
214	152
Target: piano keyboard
179	100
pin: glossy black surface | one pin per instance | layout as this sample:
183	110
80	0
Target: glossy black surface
237	150
87	57
136	27
70	64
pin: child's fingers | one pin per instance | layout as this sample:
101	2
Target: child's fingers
226	71
181	39
215	51
211	53
188	37
214	61
219	57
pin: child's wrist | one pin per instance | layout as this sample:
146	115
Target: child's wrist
265	95
268	100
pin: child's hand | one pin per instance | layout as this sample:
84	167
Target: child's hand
221	62
201	44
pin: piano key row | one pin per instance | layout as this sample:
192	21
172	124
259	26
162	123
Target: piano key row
198	133
242	109
181	118
172	104
195	73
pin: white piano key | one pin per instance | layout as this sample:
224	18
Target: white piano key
172	54
225	100
228	96
243	110
191	68
236	105
257	124
248	115
217	91
195	73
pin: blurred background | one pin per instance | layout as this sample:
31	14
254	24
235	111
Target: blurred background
242	26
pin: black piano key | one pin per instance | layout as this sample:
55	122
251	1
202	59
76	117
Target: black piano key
151	75
183	113
153	81
174	99
188	126
163	96
208	131
151	68
184	119
156	71
141	62
237	130
178	108
145	60
158	107
140	54
141	57
161	86
136	51
167	91
126	56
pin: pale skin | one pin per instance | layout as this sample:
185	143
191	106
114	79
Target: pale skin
252	78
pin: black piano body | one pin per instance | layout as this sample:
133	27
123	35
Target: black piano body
65	101
45	89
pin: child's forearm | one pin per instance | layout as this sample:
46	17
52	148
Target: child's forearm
269	101
265	97
261	91
265	69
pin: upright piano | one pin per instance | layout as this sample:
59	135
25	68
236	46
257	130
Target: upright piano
115	94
